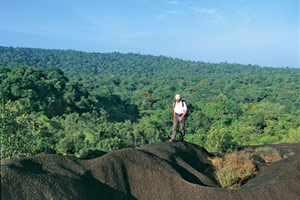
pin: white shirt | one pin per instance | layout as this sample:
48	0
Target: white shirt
178	107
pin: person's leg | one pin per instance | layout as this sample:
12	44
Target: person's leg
182	128
175	121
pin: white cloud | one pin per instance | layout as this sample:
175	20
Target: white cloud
175	11
206	10
173	2
212	16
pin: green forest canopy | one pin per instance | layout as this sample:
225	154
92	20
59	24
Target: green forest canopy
71	102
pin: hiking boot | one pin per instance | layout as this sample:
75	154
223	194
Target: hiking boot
171	140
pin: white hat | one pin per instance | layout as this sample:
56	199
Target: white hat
177	96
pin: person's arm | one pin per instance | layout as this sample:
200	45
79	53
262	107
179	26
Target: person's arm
185	111
182	116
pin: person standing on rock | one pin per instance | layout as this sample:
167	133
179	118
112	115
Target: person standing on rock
180	111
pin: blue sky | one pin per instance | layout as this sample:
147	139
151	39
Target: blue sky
262	32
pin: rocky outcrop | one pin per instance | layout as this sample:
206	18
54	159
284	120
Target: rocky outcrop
158	170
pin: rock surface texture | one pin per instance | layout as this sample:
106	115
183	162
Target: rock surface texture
158	170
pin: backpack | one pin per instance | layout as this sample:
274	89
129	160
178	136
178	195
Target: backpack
187	113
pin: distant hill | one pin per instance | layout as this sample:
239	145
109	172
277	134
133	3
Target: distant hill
78	62
156	171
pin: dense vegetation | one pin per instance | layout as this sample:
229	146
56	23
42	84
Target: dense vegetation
71	102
